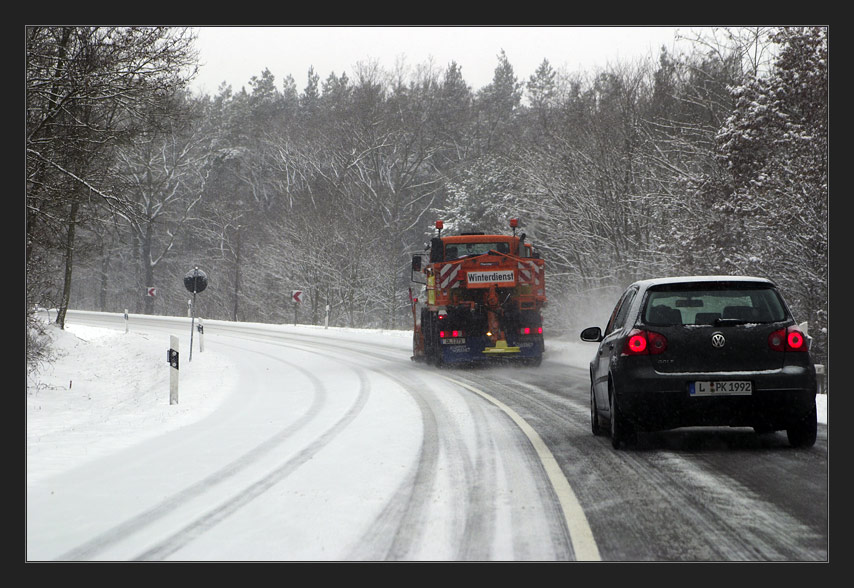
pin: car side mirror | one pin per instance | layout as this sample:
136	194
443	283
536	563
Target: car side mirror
591	334
416	263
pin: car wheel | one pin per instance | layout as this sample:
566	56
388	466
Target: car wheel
622	432
803	433
595	426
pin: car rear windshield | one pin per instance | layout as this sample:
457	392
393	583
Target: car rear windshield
713	304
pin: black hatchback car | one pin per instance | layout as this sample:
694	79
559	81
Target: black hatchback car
702	351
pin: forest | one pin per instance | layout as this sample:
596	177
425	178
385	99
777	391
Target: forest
713	161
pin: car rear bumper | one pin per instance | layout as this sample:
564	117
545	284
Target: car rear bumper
655	400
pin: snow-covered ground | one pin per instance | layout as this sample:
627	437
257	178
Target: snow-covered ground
99	424
107	389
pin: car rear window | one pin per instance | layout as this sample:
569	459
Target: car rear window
704	304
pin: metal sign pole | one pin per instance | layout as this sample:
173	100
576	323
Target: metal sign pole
195	281
192	325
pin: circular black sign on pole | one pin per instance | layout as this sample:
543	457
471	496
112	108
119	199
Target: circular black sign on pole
196	281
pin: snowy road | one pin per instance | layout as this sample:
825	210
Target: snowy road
326	449
333	446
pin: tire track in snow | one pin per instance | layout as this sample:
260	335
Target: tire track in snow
475	526
116	534
393	532
576	534
404	513
471	499
398	531
482	481
213	517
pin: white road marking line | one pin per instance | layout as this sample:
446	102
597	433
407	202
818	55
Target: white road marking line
580	533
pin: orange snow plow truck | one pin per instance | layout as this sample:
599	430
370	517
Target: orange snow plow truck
481	299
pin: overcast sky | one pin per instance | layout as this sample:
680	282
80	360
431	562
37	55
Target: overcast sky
235	54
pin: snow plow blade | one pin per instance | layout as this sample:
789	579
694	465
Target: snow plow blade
500	348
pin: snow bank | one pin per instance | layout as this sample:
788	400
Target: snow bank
108	389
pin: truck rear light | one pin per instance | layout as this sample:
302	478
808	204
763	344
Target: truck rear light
644	343
531	330
453	333
790	339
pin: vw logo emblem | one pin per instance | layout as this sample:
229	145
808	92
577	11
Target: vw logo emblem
718	340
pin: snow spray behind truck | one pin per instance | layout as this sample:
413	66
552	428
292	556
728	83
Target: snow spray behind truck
482	299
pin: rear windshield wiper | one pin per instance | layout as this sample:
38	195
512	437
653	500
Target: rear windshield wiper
722	322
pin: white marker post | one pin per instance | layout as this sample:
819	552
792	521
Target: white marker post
172	358
126	320
201	329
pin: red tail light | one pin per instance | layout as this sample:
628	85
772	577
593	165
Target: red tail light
644	343
454	333
790	339
529	330
795	339
636	344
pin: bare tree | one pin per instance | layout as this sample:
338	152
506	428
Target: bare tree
85	88
164	172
